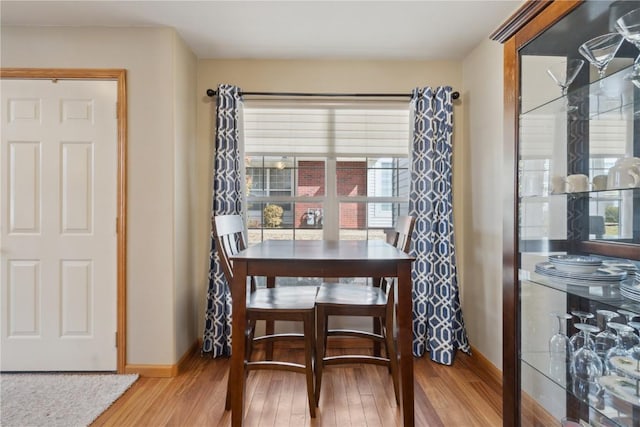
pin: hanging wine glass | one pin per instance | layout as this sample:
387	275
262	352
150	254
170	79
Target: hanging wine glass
600	50
605	340
565	72
577	340
629	26
629	339
635	350
635	354
559	349
559	341
586	366
620	349
628	315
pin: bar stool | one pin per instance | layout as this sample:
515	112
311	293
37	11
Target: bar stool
377	301
295	303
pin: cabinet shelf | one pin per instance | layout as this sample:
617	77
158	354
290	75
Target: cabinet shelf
606	98
609	295
608	194
608	408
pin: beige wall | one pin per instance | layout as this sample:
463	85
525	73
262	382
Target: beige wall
483	147
169	188
185	70
318	76
160	75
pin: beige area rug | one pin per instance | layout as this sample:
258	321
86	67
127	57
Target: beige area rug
69	400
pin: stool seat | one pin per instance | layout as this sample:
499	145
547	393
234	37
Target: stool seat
340	294
283	298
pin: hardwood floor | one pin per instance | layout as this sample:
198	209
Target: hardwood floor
357	395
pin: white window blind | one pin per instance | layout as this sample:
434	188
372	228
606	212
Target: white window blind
321	130
610	137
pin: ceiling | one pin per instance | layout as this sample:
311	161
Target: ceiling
397	30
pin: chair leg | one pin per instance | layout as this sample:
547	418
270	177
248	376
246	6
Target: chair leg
392	355
321	342
377	331
269	330
383	331
227	403
377	324
269	324
249	334
309	350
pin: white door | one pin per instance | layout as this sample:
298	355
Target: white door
58	176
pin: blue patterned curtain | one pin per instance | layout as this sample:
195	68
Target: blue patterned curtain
438	326
227	199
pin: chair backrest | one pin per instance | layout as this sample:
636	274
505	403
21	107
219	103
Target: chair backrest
400	237
403	231
228	230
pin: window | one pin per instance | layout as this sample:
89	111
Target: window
269	181
609	140
607	205
319	171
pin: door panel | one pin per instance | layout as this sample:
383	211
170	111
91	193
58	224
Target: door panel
24	298
77	180
58	241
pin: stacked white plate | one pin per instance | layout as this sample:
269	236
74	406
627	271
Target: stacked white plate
603	276
625	365
632	290
627	266
620	387
578	264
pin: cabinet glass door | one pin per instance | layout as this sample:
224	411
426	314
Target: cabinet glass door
579	225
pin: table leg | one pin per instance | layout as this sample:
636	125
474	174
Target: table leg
405	317
239	293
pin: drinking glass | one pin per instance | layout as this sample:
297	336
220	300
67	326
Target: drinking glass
565	72
577	340
586	366
629	26
606	339
599	51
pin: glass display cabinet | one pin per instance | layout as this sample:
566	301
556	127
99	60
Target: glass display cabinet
572	214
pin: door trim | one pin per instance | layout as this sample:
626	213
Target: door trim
121	220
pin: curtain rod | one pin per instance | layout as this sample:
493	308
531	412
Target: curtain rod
212	93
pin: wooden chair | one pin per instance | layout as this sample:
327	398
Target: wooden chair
377	302
295	303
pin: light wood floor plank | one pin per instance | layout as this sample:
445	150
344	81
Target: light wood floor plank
351	396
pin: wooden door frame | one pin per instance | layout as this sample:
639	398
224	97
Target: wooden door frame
118	75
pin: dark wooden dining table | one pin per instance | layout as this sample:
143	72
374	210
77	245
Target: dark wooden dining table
322	258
